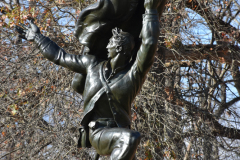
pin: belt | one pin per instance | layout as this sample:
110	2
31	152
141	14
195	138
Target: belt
102	123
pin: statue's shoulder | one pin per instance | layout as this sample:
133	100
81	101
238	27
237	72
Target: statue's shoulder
92	60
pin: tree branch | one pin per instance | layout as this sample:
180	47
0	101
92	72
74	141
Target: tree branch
211	52
7	5
236	76
223	131
212	20
222	108
217	129
43	146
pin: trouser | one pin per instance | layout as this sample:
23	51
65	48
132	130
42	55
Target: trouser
119	143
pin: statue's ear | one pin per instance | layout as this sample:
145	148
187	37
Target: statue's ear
119	48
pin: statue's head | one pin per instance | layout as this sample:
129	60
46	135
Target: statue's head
121	42
94	25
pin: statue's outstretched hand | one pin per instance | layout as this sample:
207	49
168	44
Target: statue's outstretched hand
152	4
28	33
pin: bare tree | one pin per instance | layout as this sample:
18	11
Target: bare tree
187	109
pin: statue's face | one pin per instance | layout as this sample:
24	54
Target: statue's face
112	48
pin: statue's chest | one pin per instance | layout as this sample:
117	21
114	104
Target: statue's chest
122	88
93	83
120	84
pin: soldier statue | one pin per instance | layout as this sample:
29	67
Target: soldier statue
110	83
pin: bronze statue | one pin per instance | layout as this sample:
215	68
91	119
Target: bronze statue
109	84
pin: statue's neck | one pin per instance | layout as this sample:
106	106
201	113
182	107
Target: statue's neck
118	62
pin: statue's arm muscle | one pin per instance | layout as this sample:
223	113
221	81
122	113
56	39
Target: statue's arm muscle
57	55
149	34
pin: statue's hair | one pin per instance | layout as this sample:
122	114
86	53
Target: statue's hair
123	38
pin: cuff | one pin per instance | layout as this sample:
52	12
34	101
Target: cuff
150	15
39	38
42	41
151	11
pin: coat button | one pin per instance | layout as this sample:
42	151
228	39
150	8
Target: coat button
107	92
109	99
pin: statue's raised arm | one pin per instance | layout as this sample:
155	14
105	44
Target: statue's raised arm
149	35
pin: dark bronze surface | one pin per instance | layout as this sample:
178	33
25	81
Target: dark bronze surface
109	75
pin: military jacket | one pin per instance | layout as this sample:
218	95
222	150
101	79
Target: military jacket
125	84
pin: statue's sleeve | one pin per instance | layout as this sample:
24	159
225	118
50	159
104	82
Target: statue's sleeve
54	53
150	33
